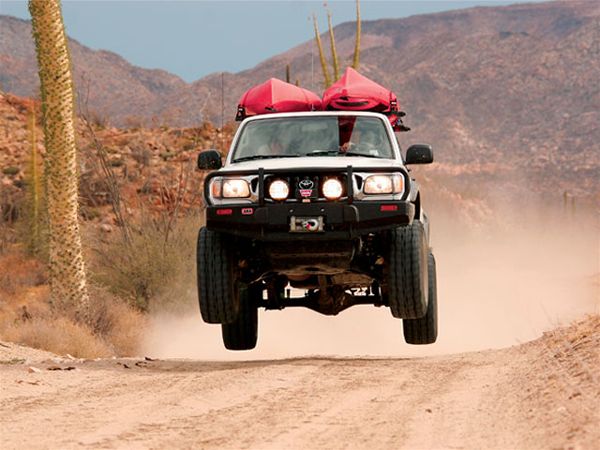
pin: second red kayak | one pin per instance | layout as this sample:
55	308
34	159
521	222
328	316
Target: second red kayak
355	92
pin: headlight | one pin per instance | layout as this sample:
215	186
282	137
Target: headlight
279	190
332	189
384	184
235	188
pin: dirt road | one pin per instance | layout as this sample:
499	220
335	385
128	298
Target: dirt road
530	396
497	290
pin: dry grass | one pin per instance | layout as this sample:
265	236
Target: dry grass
58	335
575	355
114	328
119	325
7	236
153	270
561	384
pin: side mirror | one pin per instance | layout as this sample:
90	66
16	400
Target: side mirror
209	160
419	154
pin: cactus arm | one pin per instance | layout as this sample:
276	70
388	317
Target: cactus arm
356	59
326	76
34	186
334	56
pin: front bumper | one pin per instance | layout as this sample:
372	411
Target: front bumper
271	222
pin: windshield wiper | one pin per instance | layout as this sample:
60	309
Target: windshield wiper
250	158
322	152
339	153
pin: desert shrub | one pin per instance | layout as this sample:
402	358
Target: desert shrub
134	122
58	335
10	204
141	154
112	327
18	271
117	323
7	237
9	213
116	162
150	267
10	170
98	119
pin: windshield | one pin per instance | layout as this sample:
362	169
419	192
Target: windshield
313	136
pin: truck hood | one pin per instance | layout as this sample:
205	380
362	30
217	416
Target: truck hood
313	162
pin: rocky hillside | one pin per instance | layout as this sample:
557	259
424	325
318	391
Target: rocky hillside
153	169
507	91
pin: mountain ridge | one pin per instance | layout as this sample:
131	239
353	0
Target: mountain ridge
513	85
553	19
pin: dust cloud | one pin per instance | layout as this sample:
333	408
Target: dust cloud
501	282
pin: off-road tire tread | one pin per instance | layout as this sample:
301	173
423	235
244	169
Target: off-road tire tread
216	283
242	334
424	330
406	278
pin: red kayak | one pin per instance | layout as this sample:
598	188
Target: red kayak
276	96
355	92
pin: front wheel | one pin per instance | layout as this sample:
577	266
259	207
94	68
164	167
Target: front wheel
242	334
217	287
406	271
424	330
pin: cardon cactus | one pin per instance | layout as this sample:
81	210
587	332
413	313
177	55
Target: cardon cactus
334	56
356	58
66	265
33	213
326	77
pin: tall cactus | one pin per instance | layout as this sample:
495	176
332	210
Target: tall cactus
334	56
326	76
33	180
68	285
356	59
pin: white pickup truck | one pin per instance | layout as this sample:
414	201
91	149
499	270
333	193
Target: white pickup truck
321	202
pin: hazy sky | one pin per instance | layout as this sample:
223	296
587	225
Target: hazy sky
194	38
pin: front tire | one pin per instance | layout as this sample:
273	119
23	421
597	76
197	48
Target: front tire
217	288
406	272
242	334
424	330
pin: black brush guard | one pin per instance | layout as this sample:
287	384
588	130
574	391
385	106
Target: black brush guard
346	218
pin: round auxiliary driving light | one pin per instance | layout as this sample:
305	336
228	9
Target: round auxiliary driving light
279	190
332	189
